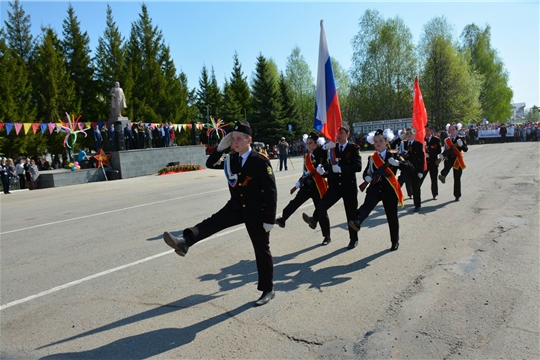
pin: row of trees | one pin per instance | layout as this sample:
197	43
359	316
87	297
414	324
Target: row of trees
41	79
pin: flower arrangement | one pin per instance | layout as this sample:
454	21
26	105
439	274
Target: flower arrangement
179	168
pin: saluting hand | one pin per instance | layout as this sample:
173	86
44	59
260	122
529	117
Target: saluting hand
320	169
225	142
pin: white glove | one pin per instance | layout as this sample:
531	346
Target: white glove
297	184
336	168
459	142
225	142
329	145
368	179
393	162
420	175
440	156
268	227
320	169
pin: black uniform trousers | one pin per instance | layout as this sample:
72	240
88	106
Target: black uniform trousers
433	171
376	193
5	183
260	239
350	201
305	193
448	164
413	184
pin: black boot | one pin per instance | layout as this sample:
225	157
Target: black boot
179	244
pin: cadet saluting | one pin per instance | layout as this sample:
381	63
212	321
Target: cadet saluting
253	202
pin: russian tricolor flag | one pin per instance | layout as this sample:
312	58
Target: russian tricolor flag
327	110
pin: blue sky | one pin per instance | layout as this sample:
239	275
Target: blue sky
210	32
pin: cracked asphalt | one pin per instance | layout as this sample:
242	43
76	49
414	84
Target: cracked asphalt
85	273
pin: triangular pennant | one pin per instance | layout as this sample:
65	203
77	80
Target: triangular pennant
18	127
100	124
9	126
94	123
81	126
27	127
200	126
175	126
189	126
35	126
180	128
43	127
51	126
1	126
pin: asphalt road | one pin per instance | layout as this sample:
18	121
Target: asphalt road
85	273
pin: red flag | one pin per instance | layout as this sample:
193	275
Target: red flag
419	117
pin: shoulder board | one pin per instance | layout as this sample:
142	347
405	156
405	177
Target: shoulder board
392	151
263	155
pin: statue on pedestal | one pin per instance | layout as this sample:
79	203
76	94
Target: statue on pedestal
118	101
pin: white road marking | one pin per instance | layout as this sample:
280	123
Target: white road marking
106	272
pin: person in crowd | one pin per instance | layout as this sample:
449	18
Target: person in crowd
172	135
380	174
45	164
283	149
110	132
344	161
166	135
19	169
149	135
503	131
83	155
97	138
128	137
28	176
433	147
6	174
415	155
311	184
34	175
253	202
454	146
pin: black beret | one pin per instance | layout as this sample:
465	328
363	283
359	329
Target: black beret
242	126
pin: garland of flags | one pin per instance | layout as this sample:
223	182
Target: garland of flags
42	128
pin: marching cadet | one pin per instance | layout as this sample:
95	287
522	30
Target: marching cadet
253	202
344	161
433	146
380	174
415	155
454	145
311	184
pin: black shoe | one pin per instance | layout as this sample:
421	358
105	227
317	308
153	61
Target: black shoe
265	298
280	222
354	224
442	178
457	198
394	246
326	241
435	197
416	208
178	244
352	244
309	220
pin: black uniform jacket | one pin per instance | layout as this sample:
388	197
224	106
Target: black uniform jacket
449	153
416	155
255	192
433	146
350	162
379	182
